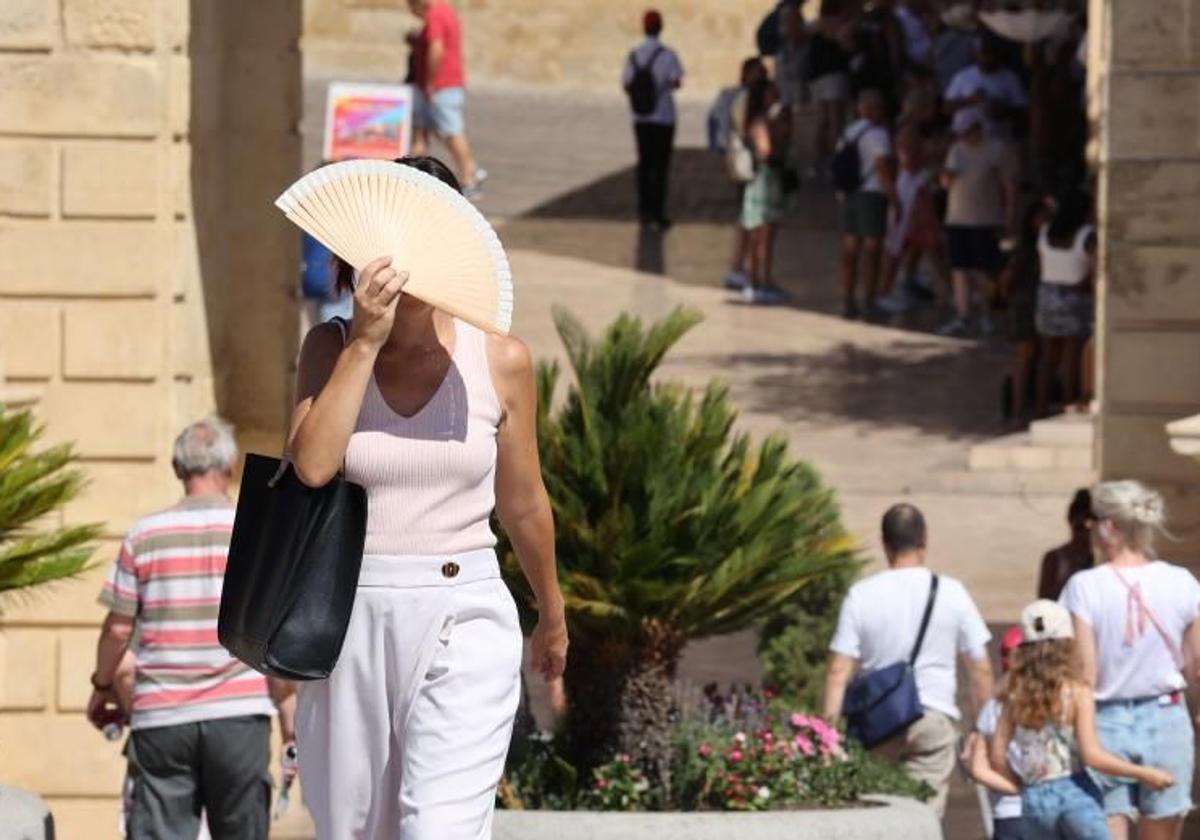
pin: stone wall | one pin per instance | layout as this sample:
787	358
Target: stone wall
141	144
1145	61
576	44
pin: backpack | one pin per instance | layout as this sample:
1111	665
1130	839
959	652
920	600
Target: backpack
768	37
642	88
846	165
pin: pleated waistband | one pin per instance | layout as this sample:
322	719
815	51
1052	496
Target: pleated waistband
407	570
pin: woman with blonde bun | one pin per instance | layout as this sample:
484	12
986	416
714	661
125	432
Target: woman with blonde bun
1137	639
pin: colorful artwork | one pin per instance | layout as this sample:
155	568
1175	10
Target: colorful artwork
367	121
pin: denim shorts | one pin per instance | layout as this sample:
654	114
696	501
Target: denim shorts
1155	734
443	112
1067	807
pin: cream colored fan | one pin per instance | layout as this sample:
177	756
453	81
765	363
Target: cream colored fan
365	209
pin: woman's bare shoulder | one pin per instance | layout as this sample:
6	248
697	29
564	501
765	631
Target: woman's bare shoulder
508	355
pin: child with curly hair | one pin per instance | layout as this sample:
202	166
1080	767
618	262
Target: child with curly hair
1046	736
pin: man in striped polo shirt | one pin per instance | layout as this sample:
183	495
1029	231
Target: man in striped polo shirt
200	719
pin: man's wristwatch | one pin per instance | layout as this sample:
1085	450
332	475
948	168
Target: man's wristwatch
97	685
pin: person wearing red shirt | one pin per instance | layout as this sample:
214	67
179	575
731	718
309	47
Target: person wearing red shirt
440	81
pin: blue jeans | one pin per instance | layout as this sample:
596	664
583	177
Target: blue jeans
1063	809
1155	734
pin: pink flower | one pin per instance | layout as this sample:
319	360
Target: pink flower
623	758
705	750
735	756
804	745
798	720
601	784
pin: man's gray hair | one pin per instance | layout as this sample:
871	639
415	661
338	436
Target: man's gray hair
203	447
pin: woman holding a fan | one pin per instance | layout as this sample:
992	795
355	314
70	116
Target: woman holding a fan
435	418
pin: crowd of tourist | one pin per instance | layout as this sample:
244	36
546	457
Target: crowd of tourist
1088	732
956	146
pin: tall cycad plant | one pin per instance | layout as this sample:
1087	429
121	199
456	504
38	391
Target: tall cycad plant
33	486
669	527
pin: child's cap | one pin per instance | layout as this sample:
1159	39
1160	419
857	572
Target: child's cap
1011	640
1044	621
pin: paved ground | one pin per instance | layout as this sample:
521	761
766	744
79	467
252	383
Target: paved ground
886	413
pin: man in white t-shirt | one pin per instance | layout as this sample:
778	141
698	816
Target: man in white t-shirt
989	88
878	626
654	127
865	212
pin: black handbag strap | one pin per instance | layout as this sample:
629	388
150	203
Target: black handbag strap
916	651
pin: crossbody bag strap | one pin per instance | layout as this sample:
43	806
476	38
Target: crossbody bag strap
916	651
1135	592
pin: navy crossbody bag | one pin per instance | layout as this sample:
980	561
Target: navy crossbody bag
881	704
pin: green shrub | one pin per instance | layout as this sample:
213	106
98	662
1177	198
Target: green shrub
670	526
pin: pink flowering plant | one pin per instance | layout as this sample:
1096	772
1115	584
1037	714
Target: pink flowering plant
775	766
753	754
619	785
737	751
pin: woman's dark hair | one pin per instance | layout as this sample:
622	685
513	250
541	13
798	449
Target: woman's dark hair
1070	214
756	100
753	67
343	272
1081	505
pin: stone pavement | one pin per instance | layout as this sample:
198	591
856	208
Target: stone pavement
885	413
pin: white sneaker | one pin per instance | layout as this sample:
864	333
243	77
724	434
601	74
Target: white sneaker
749	294
735	281
955	327
475	190
895	304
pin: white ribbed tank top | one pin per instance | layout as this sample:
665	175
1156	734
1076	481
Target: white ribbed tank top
430	478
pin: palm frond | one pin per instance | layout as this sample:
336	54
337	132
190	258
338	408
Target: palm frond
34	485
664	515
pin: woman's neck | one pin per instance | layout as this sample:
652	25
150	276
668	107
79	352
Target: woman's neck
1126	556
415	326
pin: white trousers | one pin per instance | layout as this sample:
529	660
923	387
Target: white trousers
407	739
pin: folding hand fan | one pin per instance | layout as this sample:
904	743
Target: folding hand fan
366	209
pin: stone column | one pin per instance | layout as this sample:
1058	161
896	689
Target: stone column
138	291
1145	74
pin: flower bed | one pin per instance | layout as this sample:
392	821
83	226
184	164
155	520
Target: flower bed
731	753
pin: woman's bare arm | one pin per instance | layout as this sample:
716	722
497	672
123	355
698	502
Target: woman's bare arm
1085	652
332	378
522	503
1096	757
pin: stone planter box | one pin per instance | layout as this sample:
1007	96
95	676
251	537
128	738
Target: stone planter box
884	818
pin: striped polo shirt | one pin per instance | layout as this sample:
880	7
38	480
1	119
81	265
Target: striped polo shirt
168	577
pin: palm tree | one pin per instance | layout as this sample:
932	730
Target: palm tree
33	487
669	527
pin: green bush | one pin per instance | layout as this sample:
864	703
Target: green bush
670	526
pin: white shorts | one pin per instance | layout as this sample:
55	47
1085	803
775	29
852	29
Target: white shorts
407	739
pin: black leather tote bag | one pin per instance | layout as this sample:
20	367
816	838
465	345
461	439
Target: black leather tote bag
294	559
